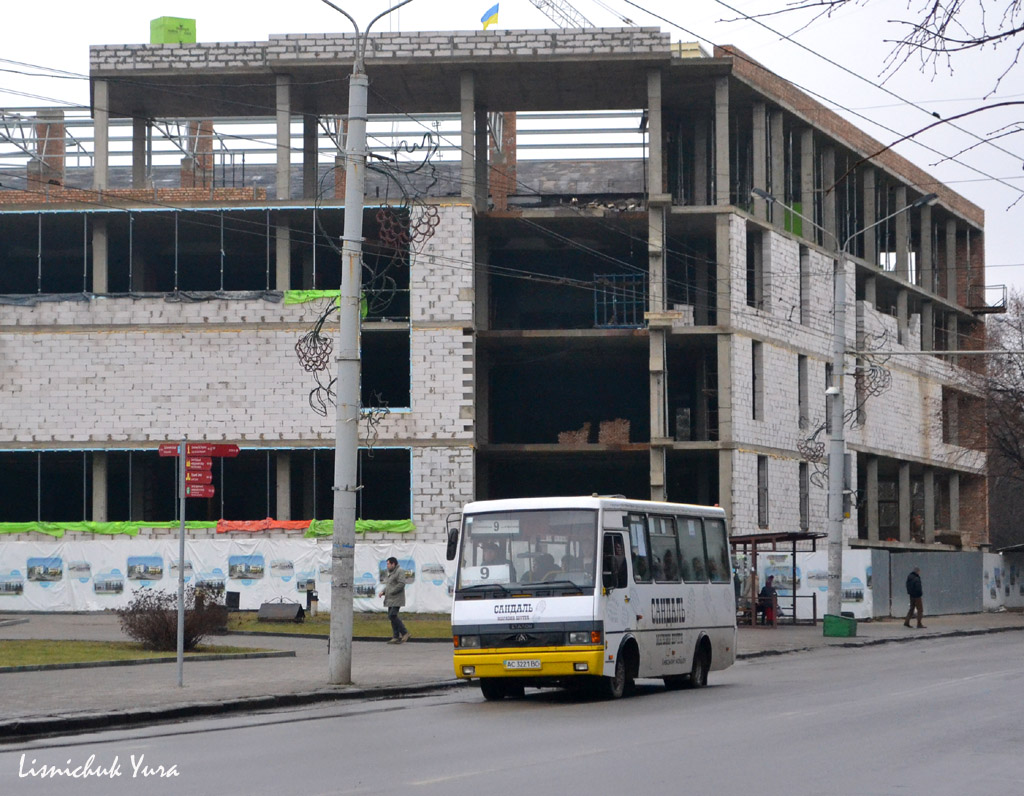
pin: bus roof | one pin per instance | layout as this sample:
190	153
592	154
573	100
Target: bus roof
615	502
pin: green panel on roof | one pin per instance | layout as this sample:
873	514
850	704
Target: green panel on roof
172	30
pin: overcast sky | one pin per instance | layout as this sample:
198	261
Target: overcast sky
57	35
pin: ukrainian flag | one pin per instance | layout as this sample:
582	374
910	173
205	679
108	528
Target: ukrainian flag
490	16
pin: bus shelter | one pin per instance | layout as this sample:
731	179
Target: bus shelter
749	606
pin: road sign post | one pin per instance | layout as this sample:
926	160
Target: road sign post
195	479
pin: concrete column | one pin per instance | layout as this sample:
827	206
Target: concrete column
808	198
953	335
283	250
101	134
759	153
284	138
927	326
467	106
284	485
954	502
308	491
700	161
871	488
904	501
725	403
868	236
870	290
777	186
725	458
929	505
902	224
100	250
828	196
902	316
925	261
480	191
656	220
140	140
951	260
310	156
723	260
722	178
655	136
99	486
659	428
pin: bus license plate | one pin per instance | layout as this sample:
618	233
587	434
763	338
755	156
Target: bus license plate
527	664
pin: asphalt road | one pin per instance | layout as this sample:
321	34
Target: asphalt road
937	717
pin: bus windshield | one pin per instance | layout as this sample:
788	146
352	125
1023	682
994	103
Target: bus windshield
529	548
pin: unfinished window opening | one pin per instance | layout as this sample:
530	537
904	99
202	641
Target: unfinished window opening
45	253
802	393
559	276
755	269
762	491
612	473
384	478
385	379
247	485
537	392
757	379
691	392
805	285
804	489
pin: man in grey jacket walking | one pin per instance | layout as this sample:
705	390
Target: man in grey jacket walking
916	594
394	598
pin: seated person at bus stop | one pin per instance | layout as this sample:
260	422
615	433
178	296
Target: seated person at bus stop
766	600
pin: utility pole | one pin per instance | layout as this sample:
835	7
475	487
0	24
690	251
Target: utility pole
837	406
346	441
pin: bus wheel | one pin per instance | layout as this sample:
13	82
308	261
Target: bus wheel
492	689
515	690
699	671
615	687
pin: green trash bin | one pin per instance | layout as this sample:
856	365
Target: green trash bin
840	626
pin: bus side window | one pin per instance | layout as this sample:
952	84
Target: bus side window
719	564
664	551
691	550
613	566
638	548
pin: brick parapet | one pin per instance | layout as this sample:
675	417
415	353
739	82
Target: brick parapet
52	194
460	46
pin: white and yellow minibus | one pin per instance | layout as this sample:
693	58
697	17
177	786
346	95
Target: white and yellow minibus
591	591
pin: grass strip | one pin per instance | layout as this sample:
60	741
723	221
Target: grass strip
42	652
364	625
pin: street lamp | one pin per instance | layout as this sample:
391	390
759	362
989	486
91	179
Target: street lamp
346	432
836	407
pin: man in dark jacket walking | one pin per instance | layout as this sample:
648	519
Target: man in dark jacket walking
915	592
394	598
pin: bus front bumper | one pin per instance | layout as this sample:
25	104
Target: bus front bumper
536	662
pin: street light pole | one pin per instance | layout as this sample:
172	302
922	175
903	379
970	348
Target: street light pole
346	441
836	406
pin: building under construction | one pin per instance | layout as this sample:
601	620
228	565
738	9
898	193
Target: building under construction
569	287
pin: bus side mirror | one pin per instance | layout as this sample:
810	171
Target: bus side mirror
453	537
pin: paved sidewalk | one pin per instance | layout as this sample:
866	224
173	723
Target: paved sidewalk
65	700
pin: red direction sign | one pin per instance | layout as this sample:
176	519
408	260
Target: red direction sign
198	463
202	449
211	449
198	477
198	491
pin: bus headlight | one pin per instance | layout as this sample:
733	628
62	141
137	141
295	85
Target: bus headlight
583	637
469	642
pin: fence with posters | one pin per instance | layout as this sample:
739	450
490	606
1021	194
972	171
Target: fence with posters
105	573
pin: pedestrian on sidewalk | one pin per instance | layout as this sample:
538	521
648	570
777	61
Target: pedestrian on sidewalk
916	593
394	599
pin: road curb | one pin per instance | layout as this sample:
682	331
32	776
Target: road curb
23	729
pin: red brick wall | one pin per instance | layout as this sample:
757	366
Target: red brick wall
54	194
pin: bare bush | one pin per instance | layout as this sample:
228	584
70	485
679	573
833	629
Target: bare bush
151	618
